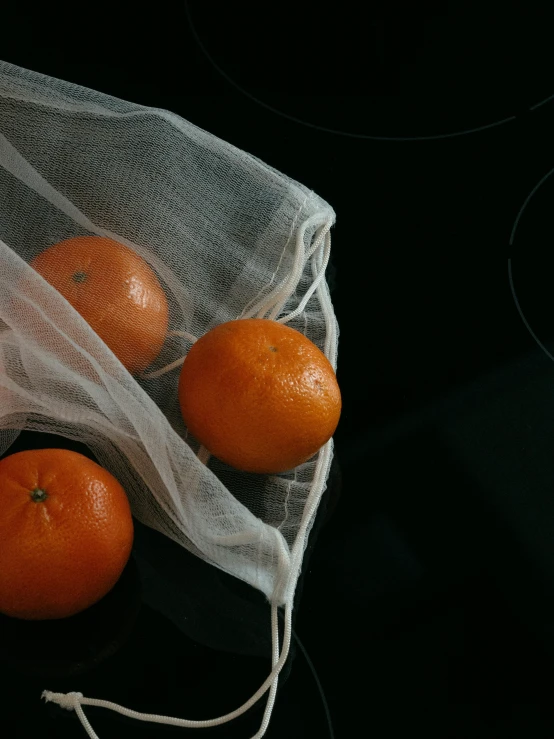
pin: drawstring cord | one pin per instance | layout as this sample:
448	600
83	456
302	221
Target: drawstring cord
274	303
177	363
320	251
75	701
270	307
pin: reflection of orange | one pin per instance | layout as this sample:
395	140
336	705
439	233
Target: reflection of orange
259	395
115	291
66	533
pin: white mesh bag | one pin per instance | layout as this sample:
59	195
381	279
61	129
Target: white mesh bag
228	237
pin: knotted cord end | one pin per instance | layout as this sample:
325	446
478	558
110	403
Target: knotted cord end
64	700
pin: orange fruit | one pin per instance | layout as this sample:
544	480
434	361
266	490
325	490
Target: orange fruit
259	395
66	533
114	290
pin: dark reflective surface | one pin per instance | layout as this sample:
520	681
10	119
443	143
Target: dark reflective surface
426	602
173	629
431	70
64	648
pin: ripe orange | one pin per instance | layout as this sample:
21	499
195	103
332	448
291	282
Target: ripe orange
66	533
115	291
259	395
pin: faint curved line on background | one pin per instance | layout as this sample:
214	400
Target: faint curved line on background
522	315
510	272
318	683
526	203
316	678
433	137
542	102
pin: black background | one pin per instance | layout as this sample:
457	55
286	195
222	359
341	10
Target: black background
426	603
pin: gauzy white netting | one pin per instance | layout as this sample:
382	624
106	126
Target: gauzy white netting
227	237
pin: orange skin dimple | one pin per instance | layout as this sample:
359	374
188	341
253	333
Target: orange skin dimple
114	290
66	533
259	395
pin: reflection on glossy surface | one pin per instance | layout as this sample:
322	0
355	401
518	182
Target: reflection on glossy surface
418	73
176	636
211	607
71	646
